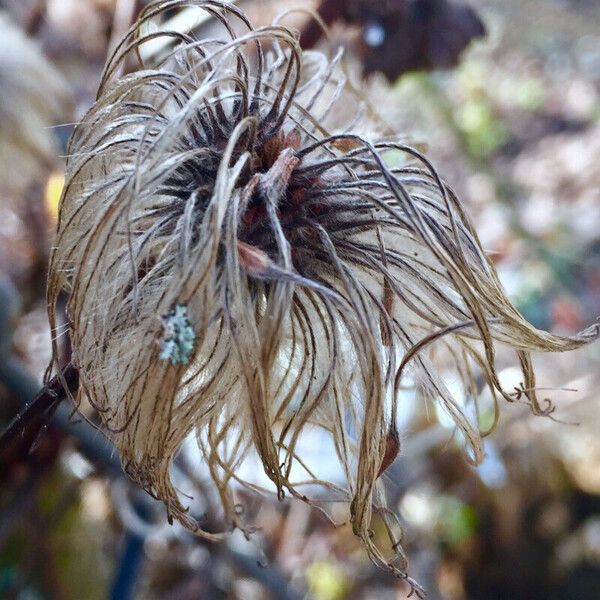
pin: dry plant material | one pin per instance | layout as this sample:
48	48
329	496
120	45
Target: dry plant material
244	263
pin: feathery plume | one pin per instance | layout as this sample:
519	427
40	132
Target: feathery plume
244	262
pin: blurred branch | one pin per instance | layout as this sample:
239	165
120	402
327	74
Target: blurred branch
269	577
12	373
34	415
131	560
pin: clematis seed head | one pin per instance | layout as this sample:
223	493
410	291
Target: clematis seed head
245	265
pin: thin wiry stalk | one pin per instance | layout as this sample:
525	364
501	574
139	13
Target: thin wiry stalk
241	267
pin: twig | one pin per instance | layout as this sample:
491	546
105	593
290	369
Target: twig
33	414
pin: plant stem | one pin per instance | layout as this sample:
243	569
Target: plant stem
33	415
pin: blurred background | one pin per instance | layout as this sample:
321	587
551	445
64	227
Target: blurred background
513	124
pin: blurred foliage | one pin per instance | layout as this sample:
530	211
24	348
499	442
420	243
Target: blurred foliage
327	581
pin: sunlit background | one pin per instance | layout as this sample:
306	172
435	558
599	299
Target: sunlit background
515	130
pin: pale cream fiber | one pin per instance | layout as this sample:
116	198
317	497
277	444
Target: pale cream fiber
245	261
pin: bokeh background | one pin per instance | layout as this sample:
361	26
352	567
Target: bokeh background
515	129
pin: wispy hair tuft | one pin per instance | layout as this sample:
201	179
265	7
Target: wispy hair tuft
249	255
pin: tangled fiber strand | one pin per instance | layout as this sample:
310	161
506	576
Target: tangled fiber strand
243	263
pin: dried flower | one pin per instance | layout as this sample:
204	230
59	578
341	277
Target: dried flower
247	196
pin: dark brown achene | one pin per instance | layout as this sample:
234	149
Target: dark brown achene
245	265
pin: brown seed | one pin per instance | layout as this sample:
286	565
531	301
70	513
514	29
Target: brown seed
392	450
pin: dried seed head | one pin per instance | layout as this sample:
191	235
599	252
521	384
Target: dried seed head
241	267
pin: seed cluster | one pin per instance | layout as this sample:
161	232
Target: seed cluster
246	264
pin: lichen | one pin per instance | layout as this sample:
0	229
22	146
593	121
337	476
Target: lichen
179	336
